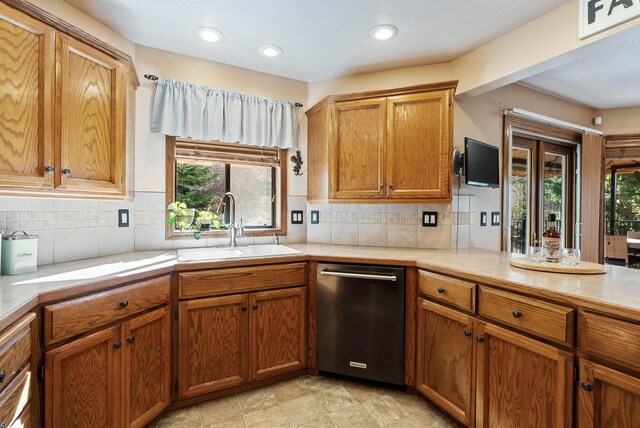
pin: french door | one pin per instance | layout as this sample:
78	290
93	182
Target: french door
543	182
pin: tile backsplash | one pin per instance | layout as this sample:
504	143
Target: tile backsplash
78	229
394	225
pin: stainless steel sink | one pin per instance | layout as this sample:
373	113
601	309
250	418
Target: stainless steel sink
206	254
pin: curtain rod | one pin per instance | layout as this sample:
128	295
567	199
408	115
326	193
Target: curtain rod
154	78
550	120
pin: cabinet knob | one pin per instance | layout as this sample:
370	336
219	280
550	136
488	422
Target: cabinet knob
244	308
516	313
467	332
440	290
255	307
2	375
124	303
117	345
380	186
480	339
49	169
587	386
66	172
131	339
390	186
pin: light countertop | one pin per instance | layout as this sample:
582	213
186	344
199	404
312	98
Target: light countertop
616	292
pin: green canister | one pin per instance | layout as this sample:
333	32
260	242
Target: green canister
19	253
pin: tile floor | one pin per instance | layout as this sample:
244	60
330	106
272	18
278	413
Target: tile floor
310	401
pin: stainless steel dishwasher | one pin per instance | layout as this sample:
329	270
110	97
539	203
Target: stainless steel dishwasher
360	321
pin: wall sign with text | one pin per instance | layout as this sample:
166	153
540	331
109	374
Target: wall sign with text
598	15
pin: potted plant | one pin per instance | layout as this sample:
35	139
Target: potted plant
206	219
180	215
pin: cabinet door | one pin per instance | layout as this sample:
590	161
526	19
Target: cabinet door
82	382
521	381
419	146
147	366
27	65
607	398
357	144
277	337
212	344
90	93
446	356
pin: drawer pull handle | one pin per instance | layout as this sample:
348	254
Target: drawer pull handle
480	339
440	290
516	313
117	345
255	307
244	308
2	375
124	303
131	339
467	332
587	386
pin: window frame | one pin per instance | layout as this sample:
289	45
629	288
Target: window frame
280	217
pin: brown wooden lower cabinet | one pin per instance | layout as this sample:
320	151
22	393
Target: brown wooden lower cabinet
521	382
607	398
118	372
446	359
231	340
212	344
277	334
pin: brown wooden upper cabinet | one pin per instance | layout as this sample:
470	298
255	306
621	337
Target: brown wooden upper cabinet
90	95
392	145
27	70
63	113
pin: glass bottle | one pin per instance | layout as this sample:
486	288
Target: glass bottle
551	240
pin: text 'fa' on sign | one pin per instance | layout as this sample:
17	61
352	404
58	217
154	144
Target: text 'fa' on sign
598	15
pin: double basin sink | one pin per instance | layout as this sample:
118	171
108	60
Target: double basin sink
225	253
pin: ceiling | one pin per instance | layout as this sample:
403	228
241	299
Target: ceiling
321	39
605	76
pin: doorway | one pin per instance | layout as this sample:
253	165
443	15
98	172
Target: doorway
542	190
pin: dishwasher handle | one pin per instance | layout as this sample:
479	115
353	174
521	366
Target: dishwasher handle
391	278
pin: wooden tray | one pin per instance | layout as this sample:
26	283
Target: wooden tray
583	268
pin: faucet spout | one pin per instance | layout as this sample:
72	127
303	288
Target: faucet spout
235	230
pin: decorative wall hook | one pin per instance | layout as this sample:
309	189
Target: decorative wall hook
297	160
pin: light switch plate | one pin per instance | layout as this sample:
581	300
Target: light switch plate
429	219
495	218
296	217
315	217
123	218
483	218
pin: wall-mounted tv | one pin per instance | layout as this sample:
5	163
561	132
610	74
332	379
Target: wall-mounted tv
481	164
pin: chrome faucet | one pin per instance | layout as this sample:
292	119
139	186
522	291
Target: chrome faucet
235	229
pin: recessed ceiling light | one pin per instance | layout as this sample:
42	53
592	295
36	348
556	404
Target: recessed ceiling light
270	50
383	32
208	34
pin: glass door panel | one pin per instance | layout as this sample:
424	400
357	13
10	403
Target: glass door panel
520	197
554	199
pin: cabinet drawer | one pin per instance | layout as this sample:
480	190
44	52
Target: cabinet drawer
453	291
547	320
73	317
225	281
13	400
609	338
15	349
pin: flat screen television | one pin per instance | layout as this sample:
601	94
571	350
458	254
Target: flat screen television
481	164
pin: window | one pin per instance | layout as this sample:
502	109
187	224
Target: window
200	173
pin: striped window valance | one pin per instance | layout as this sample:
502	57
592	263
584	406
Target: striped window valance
186	110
